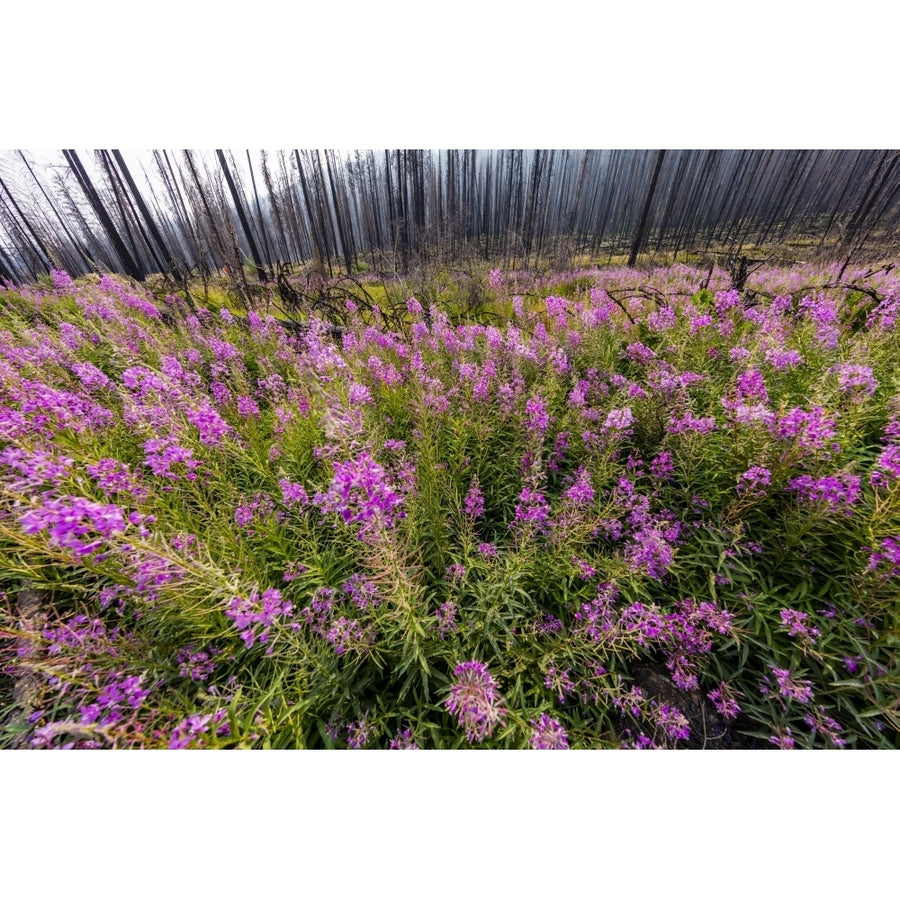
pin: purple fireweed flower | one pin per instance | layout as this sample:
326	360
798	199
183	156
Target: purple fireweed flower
688	422
475	701
488	550
188	732
585	569
661	466
548	734
619	420
536	416
446	619
783	741
62	281
887	466
783	359
116	477
855	380
889	554
795	622
650	552
75	523
825	725
403	740
292	493
212	427
360	494
790	688
195	664
361	592
255	615
560	682
360	395
661	320
839	491
532	507
813	430
35	468
754	481
359	733
724	701
91	377
295	570
348	634
161	455
672	721
455	573
640	354
823	312
556	305
752	386
473	504
549	624
581	493
247	407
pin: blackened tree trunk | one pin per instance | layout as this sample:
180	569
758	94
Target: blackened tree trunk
27	224
152	231
261	272
132	269
79	247
644	214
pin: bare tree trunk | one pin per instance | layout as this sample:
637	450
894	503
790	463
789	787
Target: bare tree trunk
641	232
132	269
261	273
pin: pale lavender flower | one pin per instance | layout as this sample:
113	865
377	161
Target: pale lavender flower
446	619
619	420
559	681
548	734
475	701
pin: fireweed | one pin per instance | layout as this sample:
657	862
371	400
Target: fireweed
252	536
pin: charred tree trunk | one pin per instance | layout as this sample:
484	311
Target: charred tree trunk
132	269
261	272
641	232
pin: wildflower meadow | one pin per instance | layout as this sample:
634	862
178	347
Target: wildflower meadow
601	508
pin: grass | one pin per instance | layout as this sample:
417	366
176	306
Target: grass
477	518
